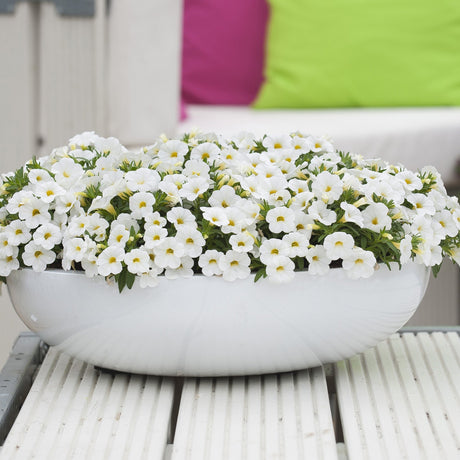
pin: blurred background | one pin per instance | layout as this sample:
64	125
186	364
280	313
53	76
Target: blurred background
380	78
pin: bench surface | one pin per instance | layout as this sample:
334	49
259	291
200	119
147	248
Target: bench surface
400	399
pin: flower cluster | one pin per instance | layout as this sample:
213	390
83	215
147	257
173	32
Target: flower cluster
219	207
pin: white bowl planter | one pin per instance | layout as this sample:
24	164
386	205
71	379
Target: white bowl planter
209	327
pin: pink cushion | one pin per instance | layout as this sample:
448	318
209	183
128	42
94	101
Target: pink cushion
182	110
223	50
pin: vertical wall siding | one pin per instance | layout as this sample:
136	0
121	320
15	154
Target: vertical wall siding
144	44
67	97
18	67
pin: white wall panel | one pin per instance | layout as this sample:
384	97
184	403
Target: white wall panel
144	42
67	78
18	122
18	35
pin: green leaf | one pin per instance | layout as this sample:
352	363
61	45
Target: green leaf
122	279
435	269
260	273
130	278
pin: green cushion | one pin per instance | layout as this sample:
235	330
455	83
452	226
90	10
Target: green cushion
351	53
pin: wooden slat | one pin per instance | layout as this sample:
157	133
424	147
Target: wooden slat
401	399
73	411
284	416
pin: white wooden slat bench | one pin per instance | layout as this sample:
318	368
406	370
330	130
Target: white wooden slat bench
400	400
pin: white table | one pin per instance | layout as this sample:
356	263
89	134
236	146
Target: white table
398	400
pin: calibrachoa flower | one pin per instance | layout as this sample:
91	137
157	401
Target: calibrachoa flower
203	204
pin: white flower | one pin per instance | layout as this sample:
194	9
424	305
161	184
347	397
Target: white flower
48	235
382	187
37	176
149	279
196	168
272	248
75	249
64	203
237	220
154	235
173	151
181	217
34	212
422	204
78	225
297	243
192	239
281	219
320	144
109	261
224	197
242	242
405	247
338	245
318	260
280	269
6	249
37	256
376	218
86	139
301	201
168	253
119	236
127	220
67	172
48	191
97	227
8	264
154	219
215	215
279	142
18	233
359	263
447	222
209	262
137	261
429	254
206	151
194	188
409	180
18	200
352	214
303	223
141	204
234	265
184	270
319	211
142	180
89	264
327	187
